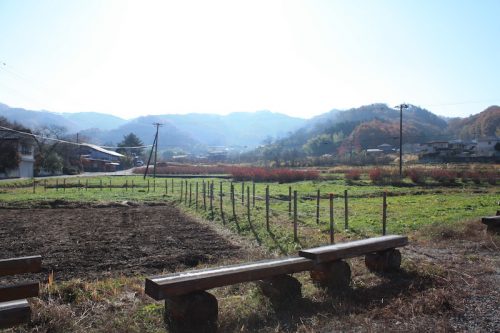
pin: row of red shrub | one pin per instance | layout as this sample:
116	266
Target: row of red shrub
186	169
272	175
421	175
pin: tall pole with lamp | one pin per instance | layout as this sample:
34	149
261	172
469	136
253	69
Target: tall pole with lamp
401	107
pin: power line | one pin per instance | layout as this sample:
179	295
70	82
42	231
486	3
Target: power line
65	141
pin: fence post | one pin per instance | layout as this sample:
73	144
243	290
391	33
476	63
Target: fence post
295	237
267	207
190	193
317	206
100	183
232	201
242	193
154	184
182	188
384	214
110	184
186	191
332	239
86	184
346	211
253	194
57	185
248	204
221	209
132	185
148	185
64	185
126	184
34	185
204	188
166	186
79	184
45	185
196	195
289	201
211	194
172	183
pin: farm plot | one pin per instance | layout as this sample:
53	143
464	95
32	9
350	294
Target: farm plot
106	241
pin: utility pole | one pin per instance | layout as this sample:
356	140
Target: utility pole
401	107
155	148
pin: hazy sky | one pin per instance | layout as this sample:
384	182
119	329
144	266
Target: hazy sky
301	58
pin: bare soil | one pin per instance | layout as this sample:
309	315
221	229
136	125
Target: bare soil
107	240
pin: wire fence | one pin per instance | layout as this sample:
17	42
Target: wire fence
259	205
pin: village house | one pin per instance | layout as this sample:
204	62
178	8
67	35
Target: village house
98	159
26	151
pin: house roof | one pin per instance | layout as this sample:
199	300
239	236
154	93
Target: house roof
9	135
102	150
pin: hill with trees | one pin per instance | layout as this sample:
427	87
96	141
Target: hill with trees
484	124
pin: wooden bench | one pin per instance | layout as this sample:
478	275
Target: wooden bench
14	308
188	307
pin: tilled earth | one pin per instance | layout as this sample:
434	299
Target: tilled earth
95	242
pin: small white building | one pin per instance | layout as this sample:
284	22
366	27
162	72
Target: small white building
26	152
486	146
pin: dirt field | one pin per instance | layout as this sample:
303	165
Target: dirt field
79	242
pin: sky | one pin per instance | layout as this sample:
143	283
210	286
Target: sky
298	57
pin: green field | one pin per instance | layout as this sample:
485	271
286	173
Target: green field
409	207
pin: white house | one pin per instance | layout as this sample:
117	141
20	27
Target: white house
26	151
486	146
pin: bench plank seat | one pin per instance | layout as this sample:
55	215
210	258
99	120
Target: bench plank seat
21	265
19	291
159	287
353	249
491	220
14	313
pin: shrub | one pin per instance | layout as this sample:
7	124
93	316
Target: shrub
443	176
491	178
417	175
376	175
267	174
353	174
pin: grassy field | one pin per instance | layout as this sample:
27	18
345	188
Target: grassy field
430	293
409	207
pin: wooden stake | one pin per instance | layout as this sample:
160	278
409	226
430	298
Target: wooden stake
295	236
64	185
100	182
232	201
182	188
190	193
196	195
34	185
267	207
221	207
317	207
110	184
248	204
346	211
166	186
332	230
86	184
57	184
204	195
243	193
148	185
211	199
45	185
186	191
384	214
253	194
289	201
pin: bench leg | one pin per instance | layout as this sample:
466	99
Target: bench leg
334	275
194	312
383	261
281	290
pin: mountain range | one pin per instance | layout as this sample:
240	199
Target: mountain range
194	132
